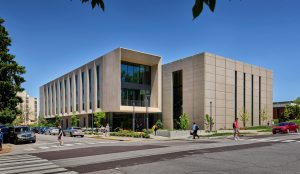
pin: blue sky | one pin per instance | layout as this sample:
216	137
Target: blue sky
52	37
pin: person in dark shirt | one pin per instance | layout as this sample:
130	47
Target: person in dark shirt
60	135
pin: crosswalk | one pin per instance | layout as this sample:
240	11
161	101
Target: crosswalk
271	140
56	146
29	164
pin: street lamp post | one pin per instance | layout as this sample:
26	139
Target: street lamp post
133	116
210	118
147	116
92	122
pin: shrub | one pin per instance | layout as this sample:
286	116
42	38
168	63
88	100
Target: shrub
159	124
127	133
184	121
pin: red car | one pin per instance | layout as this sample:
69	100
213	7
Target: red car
285	127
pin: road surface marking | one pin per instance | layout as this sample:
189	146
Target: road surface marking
69	145
288	141
44	147
29	164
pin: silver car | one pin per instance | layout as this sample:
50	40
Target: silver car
52	131
74	132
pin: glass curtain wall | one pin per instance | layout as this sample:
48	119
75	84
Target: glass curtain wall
66	100
136	83
90	87
98	86
177	97
61	97
76	83
71	95
56	98
83	97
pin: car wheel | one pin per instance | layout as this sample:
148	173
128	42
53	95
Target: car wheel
71	135
82	136
15	141
274	133
296	130
33	141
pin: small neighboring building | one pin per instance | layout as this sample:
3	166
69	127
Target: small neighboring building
278	108
28	108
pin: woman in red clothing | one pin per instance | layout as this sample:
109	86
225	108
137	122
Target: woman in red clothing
236	130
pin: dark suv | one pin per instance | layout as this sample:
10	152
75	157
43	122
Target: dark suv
19	134
1	140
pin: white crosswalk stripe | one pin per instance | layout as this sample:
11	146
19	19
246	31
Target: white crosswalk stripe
288	141
67	145
28	164
271	140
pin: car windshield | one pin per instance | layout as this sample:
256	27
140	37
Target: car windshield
22	129
282	124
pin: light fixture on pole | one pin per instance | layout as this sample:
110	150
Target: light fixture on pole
147	116
92	122
133	116
210	117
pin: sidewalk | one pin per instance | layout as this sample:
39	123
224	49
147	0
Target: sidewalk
161	138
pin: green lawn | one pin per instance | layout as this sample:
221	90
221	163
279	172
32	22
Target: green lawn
222	134
258	127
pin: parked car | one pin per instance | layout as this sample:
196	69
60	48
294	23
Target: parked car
52	131
5	132
73	132
42	130
1	140
35	129
285	127
21	134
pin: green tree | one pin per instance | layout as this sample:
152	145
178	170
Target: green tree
184	121
264	115
197	8
10	79
58	120
159	124
207	122
74	119
99	119
42	122
297	101
291	111
18	121
244	117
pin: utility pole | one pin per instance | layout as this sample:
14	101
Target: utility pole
210	118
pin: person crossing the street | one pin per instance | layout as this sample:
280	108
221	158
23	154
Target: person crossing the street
60	135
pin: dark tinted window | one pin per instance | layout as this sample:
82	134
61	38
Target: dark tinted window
283	124
22	129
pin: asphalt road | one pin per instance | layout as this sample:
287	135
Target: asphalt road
277	154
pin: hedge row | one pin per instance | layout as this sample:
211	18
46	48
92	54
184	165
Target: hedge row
130	134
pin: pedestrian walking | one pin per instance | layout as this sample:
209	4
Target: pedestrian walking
107	130
236	130
60	135
195	129
154	127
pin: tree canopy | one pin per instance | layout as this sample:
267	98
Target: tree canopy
10	79
197	8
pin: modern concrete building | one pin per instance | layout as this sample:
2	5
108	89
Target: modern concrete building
128	85
210	84
28	108
119	83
